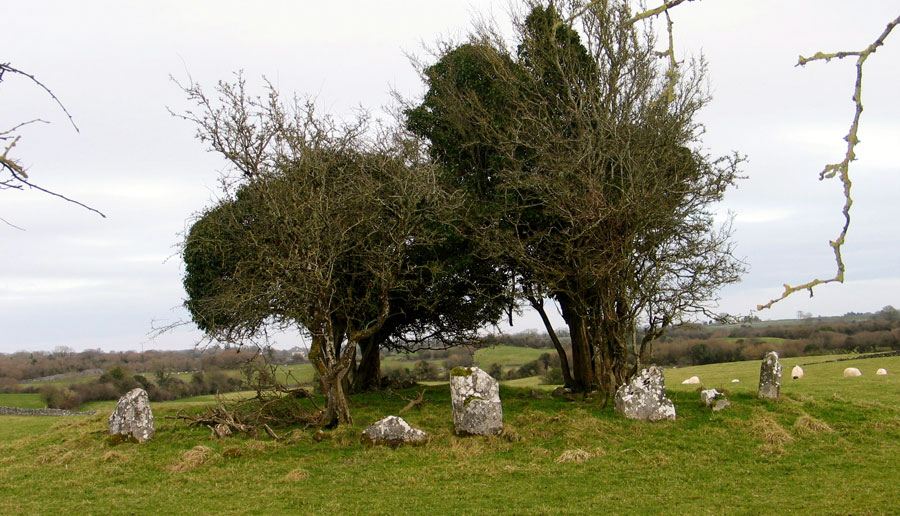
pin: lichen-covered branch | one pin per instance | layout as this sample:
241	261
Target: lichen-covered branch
840	169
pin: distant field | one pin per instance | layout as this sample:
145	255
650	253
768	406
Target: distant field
508	356
821	379
829	445
22	401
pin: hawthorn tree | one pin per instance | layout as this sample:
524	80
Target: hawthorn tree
584	161
342	232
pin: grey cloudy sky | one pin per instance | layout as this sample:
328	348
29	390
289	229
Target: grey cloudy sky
75	279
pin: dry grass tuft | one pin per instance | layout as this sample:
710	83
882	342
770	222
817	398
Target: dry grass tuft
232	452
255	446
510	434
345	435
770	450
112	456
576	456
807	424
192	459
767	429
297	475
467	447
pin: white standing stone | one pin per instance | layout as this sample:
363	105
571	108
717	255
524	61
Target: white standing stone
797	372
643	397
852	371
394	431
475	398
881	372
133	417
692	381
770	376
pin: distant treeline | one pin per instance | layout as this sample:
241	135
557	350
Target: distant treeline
117	381
710	343
16	367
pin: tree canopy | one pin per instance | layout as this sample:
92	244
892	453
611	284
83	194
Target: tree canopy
593	188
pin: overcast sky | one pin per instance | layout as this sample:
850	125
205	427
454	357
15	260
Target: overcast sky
74	279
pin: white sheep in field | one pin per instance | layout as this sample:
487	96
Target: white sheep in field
852	371
881	372
691	380
797	372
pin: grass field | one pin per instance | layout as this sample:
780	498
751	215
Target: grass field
30	401
828	446
509	356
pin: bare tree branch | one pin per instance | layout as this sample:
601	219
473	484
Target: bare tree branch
840	169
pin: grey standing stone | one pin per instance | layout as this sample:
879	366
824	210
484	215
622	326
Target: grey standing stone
393	431
643	397
133	417
475	398
770	376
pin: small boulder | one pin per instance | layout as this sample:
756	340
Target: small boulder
393	431
852	371
881	372
721	404
797	372
133	417
770	376
643	397
692	380
709	396
475	399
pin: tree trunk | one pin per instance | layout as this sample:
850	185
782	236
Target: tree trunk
563	358
332	371
337	409
584	378
368	374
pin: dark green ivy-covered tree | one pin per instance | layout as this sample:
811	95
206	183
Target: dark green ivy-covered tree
587	175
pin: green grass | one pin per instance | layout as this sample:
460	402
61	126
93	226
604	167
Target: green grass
531	382
828	446
508	356
29	401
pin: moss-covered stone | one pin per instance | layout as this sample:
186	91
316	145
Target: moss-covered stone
460	371
470	399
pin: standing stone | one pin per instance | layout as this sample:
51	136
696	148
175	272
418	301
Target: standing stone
393	431
133	417
475	398
770	376
709	396
643	397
